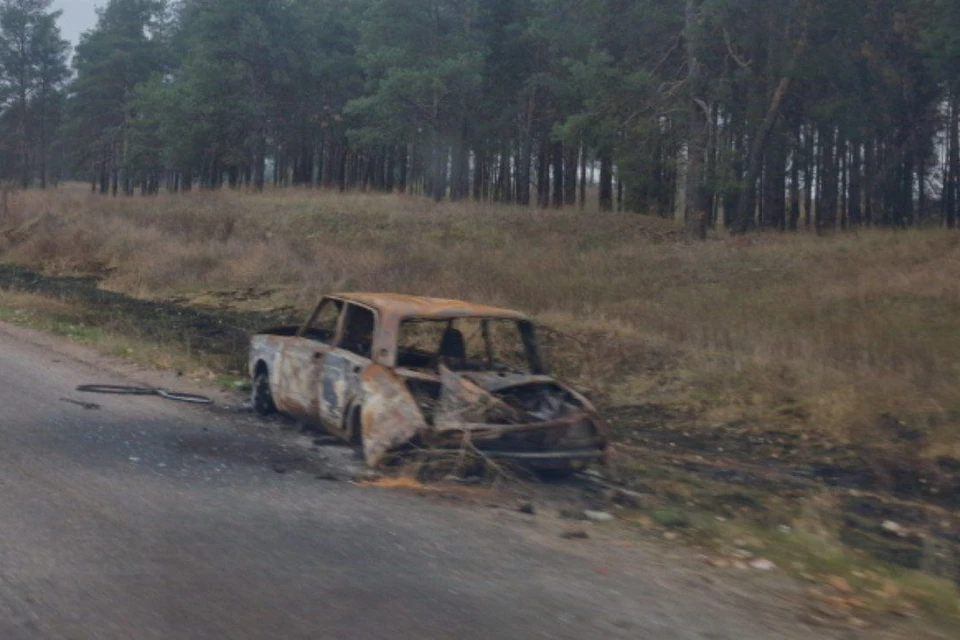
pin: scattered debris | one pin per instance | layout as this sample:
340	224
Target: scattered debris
632	499
598	516
762	564
575	535
126	390
89	406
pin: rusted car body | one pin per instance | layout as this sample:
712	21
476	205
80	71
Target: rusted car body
387	371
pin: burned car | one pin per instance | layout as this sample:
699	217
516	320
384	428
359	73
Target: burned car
387	371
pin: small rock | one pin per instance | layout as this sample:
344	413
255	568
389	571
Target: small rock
739	564
327	475
574	535
762	564
279	468
719	563
670	535
895	528
598	516
528	509
571	514
631	499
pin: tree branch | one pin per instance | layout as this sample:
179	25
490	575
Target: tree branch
743	64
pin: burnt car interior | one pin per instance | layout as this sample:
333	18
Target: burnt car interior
467	344
358	326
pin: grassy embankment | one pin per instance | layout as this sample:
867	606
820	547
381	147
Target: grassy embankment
828	333
851	342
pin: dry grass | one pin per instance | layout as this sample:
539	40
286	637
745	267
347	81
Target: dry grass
783	330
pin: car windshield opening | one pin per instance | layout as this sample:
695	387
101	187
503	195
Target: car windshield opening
464	344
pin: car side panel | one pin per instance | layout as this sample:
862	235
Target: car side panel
340	386
298	375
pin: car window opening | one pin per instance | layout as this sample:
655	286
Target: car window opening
464	344
358	327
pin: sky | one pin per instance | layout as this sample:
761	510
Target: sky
78	16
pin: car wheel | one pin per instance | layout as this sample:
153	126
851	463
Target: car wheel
261	397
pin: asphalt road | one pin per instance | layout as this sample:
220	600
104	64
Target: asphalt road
148	519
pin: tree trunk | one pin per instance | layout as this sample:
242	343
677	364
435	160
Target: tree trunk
745	210
403	177
606	182
795	183
558	175
260	162
827	207
543	172
583	176
694	211
869	167
921	190
855	191
953	185
844	179
569	176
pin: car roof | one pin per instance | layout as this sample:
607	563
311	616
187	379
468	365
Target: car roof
406	306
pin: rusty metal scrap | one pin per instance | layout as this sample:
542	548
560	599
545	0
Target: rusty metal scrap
390	417
463	402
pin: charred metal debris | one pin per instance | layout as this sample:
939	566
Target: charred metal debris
389	371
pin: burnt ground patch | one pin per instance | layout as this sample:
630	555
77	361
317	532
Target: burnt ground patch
890	505
222	334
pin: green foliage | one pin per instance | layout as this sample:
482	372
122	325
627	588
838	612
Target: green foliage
33	68
767	110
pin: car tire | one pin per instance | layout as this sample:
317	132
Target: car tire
261	397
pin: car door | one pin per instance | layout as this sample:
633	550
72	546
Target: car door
296	392
343	366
